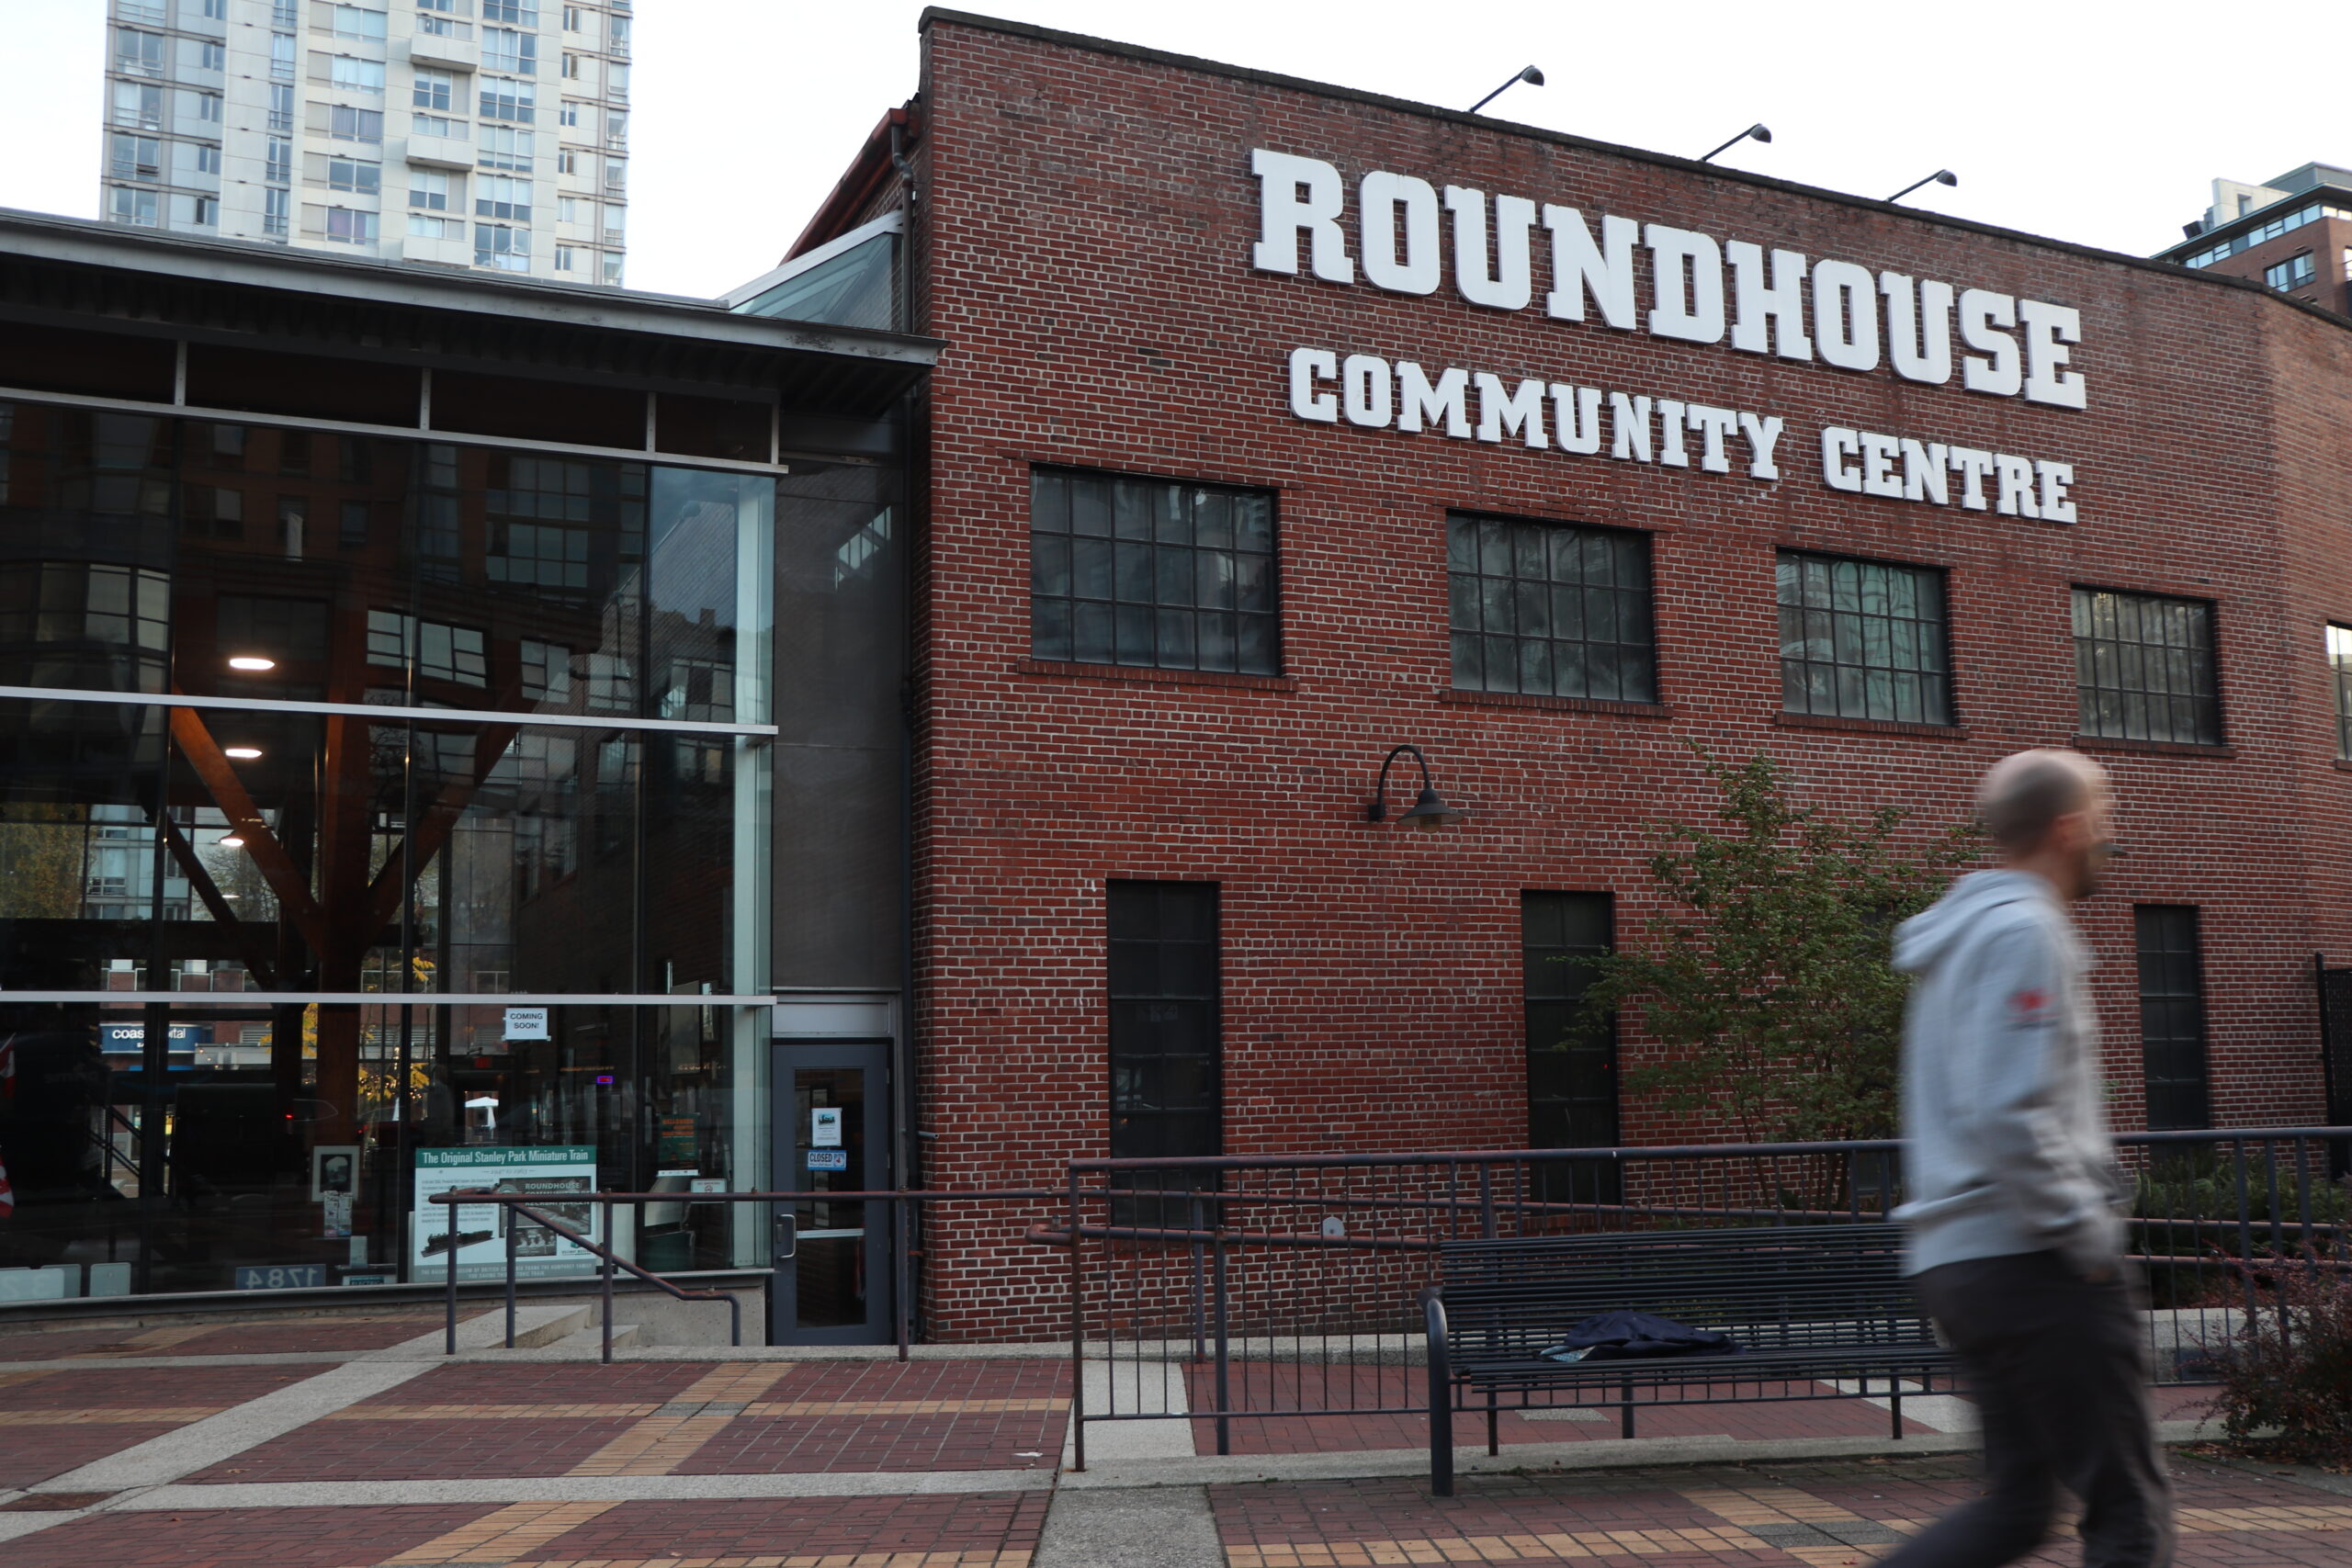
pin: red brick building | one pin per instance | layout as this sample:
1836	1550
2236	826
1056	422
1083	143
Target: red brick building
1258	450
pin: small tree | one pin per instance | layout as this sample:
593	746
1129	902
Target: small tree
1767	979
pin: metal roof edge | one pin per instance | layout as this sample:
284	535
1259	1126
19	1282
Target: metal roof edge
82	242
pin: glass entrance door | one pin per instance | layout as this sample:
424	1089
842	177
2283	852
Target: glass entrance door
830	1136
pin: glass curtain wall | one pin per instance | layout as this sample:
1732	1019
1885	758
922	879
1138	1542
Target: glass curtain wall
372	813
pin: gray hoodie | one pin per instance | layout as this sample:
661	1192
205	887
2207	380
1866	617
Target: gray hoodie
2007	1148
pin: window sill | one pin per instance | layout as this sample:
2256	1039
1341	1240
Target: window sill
1556	705
1151	675
2164	748
1872	726
2344	764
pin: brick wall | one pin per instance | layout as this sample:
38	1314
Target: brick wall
1084	233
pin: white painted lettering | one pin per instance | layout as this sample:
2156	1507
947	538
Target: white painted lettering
1518	413
1308	365
1367	390
2012	478
1972	466
1670	433
2048	329
1918	328
1778	304
1763	436
1294	196
1925	477
1714	427
1385	197
1576	417
1879	453
2057	506
1838	444
1578	267
1448	401
1508	287
1845	315
1686	281
1982	317
1629	423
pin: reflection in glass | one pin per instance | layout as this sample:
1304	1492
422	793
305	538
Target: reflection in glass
216	854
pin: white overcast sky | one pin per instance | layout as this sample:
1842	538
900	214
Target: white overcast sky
2091	120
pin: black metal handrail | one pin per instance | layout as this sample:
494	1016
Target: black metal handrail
523	1203
1274	1303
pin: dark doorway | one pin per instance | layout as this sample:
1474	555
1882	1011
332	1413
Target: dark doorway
830	1121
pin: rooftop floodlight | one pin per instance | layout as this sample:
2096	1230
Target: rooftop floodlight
1941	177
1528	74
1428	812
1757	132
252	662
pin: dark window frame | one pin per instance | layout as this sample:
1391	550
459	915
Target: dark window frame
1853	682
2338	646
2168	949
1552	990
1164	978
1512	584
2099	673
1118	579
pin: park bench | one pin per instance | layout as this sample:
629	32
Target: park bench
1808	1304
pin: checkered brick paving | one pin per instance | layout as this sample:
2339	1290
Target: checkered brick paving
986	1530
271	1336
675	1417
56	1418
1265	1387
1836	1514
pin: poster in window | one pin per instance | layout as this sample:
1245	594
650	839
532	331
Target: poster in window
476	1232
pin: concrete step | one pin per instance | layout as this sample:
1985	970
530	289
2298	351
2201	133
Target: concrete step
534	1326
592	1339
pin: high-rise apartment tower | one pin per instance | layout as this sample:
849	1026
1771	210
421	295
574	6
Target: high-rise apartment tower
467	133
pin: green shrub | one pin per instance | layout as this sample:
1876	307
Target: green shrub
2289	1370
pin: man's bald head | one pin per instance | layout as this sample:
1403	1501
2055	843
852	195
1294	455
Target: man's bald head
2024	795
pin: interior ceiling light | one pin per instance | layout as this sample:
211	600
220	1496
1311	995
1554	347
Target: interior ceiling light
241	753
230	842
252	662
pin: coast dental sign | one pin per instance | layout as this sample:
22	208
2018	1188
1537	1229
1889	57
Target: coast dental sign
1773	303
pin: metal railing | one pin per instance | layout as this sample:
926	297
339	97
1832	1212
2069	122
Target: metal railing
904	1205
1262	1288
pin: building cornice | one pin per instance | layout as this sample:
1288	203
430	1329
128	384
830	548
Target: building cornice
936	15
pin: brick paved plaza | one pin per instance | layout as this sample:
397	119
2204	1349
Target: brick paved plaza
354	1443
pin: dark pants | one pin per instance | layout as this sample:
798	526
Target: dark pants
2059	1369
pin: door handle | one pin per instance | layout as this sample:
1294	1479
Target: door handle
786	1234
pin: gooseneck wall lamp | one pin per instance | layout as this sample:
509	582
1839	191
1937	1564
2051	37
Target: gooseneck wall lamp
1753	133
1528	74
1428	812
1941	177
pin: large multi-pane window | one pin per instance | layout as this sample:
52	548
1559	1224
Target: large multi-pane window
1571	1060
134	157
1863	639
1164	1018
2172	1015
1152	572
346	123
2339	667
1550	610
503	97
2144	667
509	49
556	792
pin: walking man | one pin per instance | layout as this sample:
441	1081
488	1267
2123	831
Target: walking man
2015	1234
